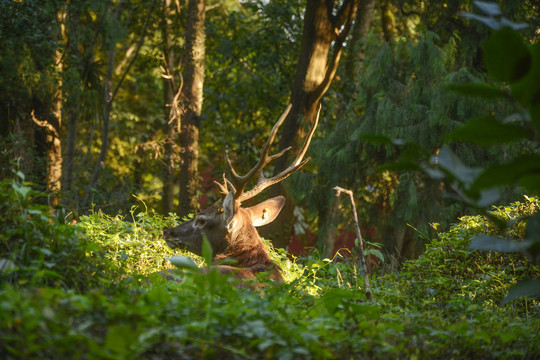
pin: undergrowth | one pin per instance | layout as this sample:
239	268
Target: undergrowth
89	290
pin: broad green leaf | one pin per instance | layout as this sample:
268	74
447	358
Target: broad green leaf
158	295
506	56
488	131
183	262
120	338
486	198
531	183
532	230
525	288
376	139
334	297
527	90
508	174
23	190
207	252
453	165
486	20
488	8
481	90
485	242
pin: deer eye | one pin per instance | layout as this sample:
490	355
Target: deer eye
200	221
220	211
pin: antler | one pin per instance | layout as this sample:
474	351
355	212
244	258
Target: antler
240	181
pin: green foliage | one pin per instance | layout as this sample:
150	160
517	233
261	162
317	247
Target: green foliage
400	95
134	246
513	68
443	305
36	247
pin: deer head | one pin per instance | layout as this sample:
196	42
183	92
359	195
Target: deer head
230	228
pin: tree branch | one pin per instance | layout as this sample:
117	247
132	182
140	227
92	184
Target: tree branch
338	48
340	190
139	45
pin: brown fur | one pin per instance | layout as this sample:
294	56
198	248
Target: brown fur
232	235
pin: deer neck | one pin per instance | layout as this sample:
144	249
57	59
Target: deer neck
246	248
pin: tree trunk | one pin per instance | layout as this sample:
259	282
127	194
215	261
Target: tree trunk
192	92
108	97
362	23
73	102
388	21
167	197
324	32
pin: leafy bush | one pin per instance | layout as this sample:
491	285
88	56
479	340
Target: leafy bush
36	247
132	246
442	305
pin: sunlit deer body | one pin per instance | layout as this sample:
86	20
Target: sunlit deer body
229	228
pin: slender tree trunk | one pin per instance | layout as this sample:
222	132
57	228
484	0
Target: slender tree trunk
192	92
108	97
69	154
46	119
171	115
72	102
325	30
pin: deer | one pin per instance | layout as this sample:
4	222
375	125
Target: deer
230	228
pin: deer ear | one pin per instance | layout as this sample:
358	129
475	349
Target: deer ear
229	211
266	211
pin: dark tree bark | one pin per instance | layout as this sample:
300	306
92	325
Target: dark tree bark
192	98
170	89
326	27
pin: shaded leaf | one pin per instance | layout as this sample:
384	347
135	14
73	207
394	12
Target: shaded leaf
453	165
485	242
481	90
488	8
508	174
207	252
486	20
525	288
506	56
532	229
527	90
488	131
183	262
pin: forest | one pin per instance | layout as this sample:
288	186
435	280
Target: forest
401	183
